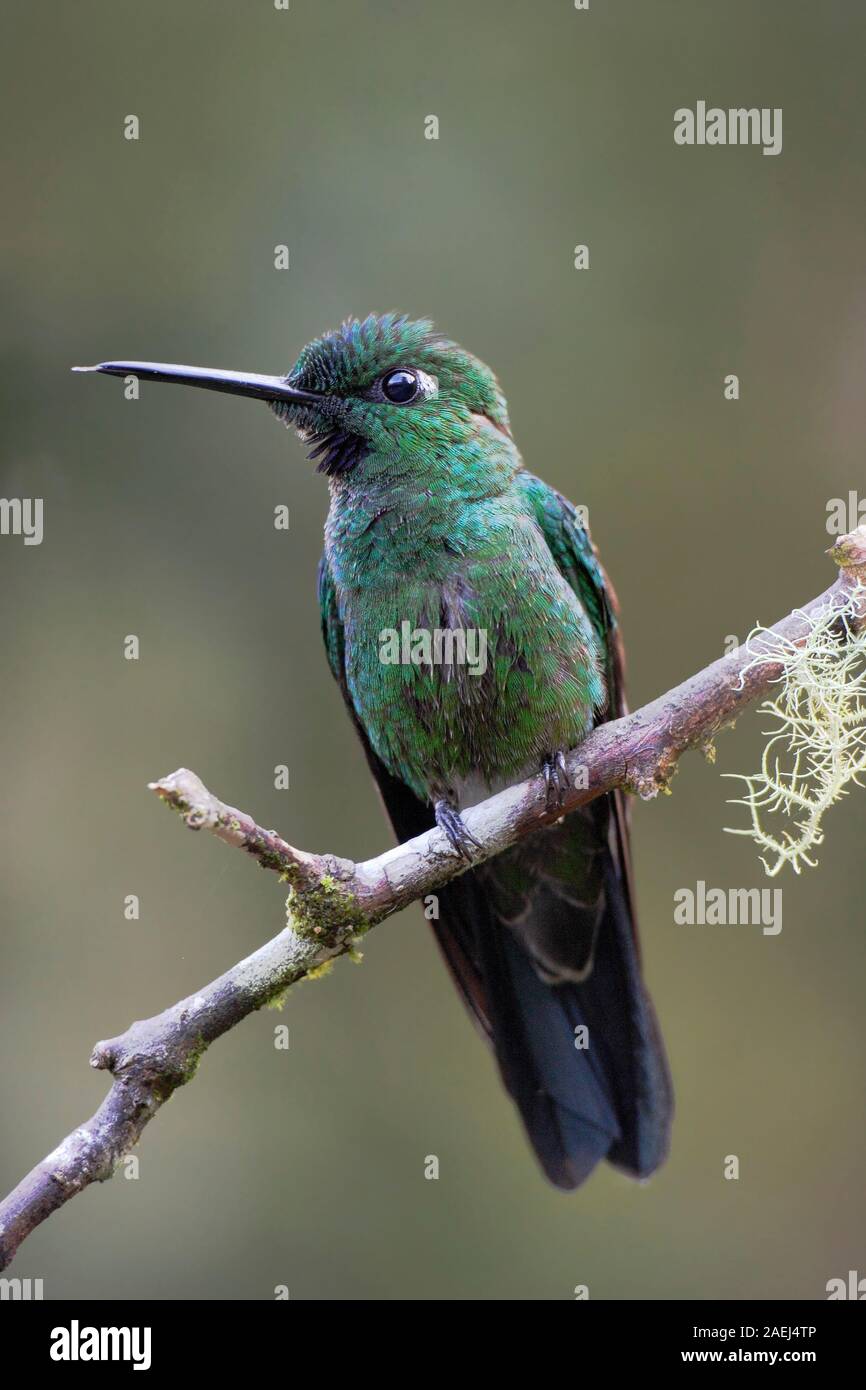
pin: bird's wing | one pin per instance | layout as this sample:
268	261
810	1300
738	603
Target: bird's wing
577	559
615	988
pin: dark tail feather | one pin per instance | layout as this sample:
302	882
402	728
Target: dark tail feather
610	1098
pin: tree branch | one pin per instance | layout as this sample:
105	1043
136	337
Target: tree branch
333	901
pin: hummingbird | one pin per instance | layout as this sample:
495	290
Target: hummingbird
435	526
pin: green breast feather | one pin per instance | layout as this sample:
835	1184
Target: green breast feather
523	587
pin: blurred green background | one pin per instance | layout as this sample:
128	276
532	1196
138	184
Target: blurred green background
306	127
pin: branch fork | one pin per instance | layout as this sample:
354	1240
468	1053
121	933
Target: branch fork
333	901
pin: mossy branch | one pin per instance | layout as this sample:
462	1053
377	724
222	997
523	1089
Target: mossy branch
816	749
333	901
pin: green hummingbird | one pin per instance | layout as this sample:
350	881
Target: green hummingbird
474	637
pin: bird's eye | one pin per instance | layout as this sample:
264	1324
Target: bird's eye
401	386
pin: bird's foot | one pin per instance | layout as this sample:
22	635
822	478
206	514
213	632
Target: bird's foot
450	821
556	779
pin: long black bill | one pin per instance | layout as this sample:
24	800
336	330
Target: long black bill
263	388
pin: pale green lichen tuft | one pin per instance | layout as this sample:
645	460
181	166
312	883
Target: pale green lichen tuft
325	912
318	972
816	749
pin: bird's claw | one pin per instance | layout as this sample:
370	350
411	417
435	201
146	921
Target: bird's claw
450	821
556	779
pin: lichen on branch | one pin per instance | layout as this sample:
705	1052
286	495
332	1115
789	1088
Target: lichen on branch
334	901
816	746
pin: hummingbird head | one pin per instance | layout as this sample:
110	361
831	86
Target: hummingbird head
391	387
384	387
